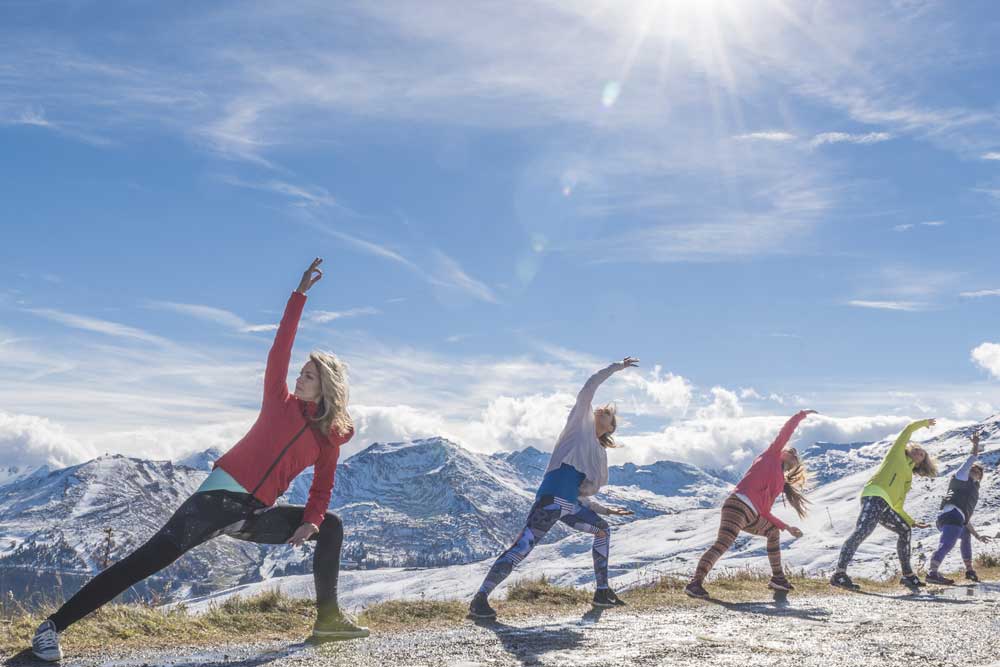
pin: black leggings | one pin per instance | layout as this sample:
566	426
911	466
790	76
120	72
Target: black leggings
876	511
200	518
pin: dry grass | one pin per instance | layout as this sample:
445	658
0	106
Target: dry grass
274	616
268	616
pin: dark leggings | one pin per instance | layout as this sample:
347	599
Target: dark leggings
200	518
876	511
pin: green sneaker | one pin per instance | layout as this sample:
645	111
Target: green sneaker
336	627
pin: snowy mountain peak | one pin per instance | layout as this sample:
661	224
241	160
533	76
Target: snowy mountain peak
530	463
202	460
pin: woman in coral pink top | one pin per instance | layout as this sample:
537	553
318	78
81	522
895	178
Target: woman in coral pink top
778	470
293	431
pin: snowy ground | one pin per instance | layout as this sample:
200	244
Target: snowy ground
955	626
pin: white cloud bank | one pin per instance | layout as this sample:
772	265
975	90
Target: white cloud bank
29	442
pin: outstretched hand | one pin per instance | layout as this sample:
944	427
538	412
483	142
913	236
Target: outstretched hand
931	423
796	532
921	524
301	534
629	362
975	443
620	511
808	412
311	276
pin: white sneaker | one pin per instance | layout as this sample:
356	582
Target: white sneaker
45	644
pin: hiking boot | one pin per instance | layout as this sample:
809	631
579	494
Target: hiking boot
480	607
937	578
45	643
911	581
971	575
605	597
696	590
780	583
336	626
841	580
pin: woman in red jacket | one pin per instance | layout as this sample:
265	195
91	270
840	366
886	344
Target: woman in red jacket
777	470
293	431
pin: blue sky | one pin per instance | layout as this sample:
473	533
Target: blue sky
773	204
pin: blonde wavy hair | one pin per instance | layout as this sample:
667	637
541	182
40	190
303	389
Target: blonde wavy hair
796	483
926	468
334	393
608	439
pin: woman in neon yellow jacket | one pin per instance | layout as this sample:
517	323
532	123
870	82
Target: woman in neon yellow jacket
882	503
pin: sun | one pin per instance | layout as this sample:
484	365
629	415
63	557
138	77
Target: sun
704	35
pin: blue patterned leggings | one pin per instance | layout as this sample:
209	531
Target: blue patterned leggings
544	514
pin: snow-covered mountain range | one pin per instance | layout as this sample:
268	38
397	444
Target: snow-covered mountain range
407	506
422	503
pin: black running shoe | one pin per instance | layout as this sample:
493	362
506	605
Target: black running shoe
696	590
911	581
335	627
937	578
605	597
780	583
971	575
480	607
841	580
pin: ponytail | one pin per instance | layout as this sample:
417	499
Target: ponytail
795	488
608	439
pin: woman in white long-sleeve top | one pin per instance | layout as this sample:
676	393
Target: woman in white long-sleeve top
577	469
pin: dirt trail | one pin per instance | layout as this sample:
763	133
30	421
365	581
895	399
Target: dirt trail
956	626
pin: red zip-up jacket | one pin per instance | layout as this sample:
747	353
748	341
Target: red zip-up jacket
765	479
281	443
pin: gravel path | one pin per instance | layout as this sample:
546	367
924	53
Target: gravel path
957	626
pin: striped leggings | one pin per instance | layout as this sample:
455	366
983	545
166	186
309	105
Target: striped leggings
544	514
736	517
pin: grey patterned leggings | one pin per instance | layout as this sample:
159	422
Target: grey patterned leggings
876	511
544	514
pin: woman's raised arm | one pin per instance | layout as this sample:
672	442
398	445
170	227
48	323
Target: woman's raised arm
276	372
586	395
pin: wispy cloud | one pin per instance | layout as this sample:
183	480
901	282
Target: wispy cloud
772	135
775	219
324	316
313	203
36	118
905	288
450	275
908	226
909	306
844	137
992	155
980	293
95	325
210	314
28	117
302	196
